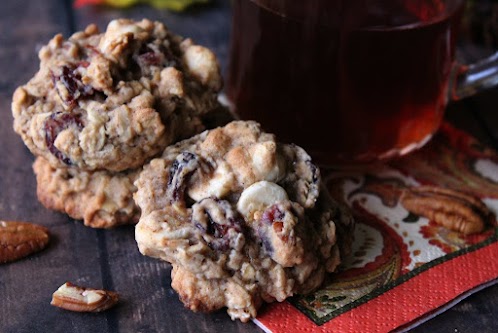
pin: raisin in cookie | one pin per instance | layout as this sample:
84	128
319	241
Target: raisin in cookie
102	199
112	100
243	219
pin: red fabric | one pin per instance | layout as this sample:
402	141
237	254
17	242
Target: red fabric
453	267
401	305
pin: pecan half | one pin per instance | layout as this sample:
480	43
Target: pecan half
79	299
20	239
451	209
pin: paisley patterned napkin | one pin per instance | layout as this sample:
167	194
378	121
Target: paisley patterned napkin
405	267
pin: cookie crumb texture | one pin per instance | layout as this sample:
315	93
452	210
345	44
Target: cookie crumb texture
243	220
112	100
102	199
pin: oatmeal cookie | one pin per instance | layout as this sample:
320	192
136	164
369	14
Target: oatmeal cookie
113	100
102	199
243	219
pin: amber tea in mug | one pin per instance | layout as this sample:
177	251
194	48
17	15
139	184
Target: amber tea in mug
349	80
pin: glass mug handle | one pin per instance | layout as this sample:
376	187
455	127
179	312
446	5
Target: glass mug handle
467	80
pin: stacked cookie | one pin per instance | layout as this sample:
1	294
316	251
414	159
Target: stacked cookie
102	105
242	218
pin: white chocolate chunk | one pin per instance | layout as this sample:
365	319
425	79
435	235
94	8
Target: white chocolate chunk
260	196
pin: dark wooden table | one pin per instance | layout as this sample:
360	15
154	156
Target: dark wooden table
110	259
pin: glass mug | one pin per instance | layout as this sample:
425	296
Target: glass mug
349	80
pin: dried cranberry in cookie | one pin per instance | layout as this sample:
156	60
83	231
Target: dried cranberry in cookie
242	218
113	100
220	223
56	123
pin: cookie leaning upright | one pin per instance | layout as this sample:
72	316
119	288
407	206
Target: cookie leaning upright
243	219
113	100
